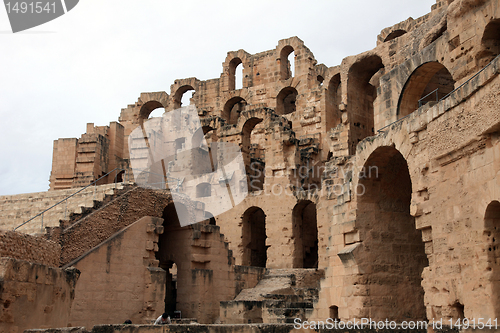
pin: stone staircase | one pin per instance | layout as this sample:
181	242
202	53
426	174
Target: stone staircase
16	209
281	296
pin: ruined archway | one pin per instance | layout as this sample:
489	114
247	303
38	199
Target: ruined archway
235	74
254	238
232	109
173	247
490	43
253	153
178	96
362	84
427	84
492	235
392	255
333	97
395	34
149	108
305	234
287	62
285	101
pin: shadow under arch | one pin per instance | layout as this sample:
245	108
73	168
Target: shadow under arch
428	83
305	234
391	253
173	247
254	237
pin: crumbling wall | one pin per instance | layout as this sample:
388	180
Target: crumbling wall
120	278
34	295
30	248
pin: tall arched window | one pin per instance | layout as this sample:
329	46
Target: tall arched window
287	62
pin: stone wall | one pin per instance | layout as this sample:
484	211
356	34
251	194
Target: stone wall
34	295
120	278
30	248
17	209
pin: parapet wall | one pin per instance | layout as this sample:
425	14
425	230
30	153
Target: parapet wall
34	295
30	248
16	209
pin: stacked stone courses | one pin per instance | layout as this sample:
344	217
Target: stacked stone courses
374	189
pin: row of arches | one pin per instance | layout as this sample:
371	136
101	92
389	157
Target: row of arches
305	236
235	69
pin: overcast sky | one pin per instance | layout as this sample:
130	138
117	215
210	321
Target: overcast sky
87	65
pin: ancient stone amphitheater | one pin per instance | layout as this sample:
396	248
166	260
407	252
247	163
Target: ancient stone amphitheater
373	193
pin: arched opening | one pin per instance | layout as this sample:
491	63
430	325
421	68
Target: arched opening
285	101
490	43
305	235
334	312
427	84
203	140
203	190
320	79
333	98
253	154
363	81
235	74
182	97
210	217
232	109
254	238
492	235
287	62
172	245
392	252
395	34
151	109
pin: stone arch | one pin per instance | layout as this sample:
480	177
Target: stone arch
420	87
173	248
149	107
203	190
233	65
490	43
492	238
177	96
362	83
286	101
286	71
254	237
305	235
392	254
394	34
333	97
233	60
255	167
232	109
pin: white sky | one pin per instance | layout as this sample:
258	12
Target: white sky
87	65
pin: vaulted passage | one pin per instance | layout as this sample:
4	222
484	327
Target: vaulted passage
490	43
305	234
174	247
232	109
254	238
253	155
362	87
427	84
392	251
285	101
332	100
492	234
